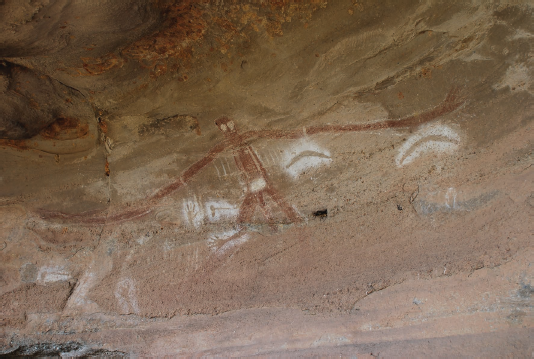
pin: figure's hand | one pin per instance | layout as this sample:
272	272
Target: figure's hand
454	98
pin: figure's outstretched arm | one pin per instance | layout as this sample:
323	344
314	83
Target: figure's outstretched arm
275	134
139	210
95	217
451	103
190	172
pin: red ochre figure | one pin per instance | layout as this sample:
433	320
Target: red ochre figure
257	182
256	179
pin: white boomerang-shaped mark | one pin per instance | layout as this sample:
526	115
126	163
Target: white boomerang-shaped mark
302	156
435	138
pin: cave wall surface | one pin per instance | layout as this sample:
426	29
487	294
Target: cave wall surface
266	178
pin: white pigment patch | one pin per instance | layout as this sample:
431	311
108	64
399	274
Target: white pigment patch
430	146
407	152
80	293
516	78
520	34
233	238
304	155
193	212
52	274
476	57
126	295
168	216
450	198
233	243
143	239
257	185
218	210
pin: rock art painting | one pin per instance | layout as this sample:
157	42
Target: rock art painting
79	294
196	212
218	210
255	179
185	178
435	138
223	241
126	295
451	200
516	78
193	212
303	155
257	184
52	274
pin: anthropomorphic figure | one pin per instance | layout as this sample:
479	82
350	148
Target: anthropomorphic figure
258	185
257	182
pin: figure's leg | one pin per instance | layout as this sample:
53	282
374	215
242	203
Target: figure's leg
246	211
266	210
286	208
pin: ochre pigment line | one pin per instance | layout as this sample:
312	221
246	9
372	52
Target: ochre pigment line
251	168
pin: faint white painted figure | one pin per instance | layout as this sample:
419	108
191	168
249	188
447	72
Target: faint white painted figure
126	295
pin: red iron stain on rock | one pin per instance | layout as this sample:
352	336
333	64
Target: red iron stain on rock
65	129
17	144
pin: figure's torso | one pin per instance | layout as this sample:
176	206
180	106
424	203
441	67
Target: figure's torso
252	168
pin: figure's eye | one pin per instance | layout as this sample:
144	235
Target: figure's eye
231	125
223	128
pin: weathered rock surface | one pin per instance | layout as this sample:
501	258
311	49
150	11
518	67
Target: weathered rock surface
182	177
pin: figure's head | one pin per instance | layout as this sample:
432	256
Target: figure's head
226	125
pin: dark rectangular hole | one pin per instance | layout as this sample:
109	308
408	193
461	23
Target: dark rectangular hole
321	213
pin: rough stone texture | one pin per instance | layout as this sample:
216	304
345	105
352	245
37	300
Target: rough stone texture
184	177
